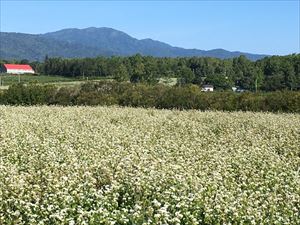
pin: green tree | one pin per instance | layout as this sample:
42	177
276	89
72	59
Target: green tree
289	76
137	69
219	81
121	73
186	75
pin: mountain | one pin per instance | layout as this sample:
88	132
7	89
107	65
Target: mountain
35	47
92	42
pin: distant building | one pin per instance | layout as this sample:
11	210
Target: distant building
207	88
238	89
17	69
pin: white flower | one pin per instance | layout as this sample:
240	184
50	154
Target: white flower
73	165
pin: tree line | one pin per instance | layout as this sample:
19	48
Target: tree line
154	96
268	74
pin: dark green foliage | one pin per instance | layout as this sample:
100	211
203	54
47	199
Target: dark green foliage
158	96
121	73
101	93
269	74
186	75
32	94
286	101
220	82
279	74
64	96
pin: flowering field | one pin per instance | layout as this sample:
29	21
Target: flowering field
109	165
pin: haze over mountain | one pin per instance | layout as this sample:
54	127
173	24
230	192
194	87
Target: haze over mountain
92	42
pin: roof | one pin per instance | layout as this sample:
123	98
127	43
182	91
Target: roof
17	67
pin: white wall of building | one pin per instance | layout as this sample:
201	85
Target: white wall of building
19	71
208	89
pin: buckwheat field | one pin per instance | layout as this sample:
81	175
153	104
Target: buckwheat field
110	165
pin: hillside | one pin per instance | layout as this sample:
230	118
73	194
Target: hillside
92	42
35	47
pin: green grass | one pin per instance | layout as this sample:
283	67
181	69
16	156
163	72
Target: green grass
8	80
12	79
60	81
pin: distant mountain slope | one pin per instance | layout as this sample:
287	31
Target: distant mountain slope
35	47
92	42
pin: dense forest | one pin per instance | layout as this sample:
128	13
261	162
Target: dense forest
268	74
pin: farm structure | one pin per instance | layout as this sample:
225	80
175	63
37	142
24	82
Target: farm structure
207	88
17	69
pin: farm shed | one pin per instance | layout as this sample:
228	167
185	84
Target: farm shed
208	88
17	69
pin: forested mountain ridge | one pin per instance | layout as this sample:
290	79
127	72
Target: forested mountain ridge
92	42
35	47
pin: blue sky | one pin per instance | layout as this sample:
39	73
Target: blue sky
268	27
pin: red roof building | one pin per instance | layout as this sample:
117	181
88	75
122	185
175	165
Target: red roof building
17	69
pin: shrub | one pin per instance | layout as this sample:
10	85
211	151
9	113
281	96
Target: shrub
143	95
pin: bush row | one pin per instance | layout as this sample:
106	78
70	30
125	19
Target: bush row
158	96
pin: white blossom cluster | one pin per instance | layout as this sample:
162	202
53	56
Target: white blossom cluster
111	165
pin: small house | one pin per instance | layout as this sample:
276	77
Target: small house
207	88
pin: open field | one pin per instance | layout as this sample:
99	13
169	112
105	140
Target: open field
13	79
8	80
111	165
61	80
